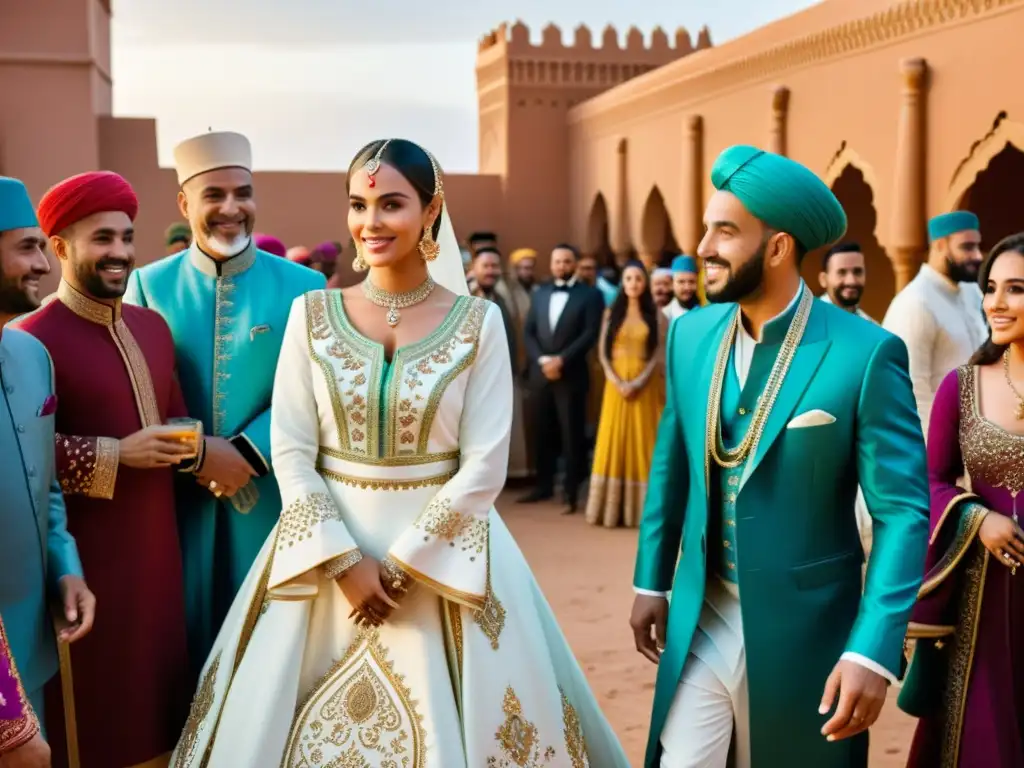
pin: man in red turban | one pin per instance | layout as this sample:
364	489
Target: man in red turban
115	380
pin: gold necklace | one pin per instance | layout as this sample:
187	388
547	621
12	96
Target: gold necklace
730	458
393	302
1019	413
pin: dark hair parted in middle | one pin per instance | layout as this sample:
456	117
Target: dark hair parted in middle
990	352
648	311
410	160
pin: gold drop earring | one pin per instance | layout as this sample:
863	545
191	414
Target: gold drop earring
359	263
429	248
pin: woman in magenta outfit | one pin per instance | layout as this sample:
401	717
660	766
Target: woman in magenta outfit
966	680
19	729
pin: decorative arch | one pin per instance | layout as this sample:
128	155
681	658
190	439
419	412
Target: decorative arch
857	197
847	156
597	243
657	241
1004	133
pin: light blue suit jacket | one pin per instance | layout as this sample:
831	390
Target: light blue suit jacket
36	550
227	320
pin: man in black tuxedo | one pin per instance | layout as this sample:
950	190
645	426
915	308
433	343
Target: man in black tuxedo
562	326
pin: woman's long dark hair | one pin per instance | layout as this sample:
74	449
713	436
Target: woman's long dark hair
410	160
648	310
990	352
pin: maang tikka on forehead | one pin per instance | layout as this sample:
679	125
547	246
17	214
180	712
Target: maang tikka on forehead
373	165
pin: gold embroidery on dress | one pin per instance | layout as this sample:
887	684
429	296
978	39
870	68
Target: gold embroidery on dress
469	333
302	516
382	484
990	453
575	745
318	329
518	738
360	713
491	618
201	706
462	529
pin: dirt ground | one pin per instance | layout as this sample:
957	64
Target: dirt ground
586	573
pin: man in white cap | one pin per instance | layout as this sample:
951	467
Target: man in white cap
227	304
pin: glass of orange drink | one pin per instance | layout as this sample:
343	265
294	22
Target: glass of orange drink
186	430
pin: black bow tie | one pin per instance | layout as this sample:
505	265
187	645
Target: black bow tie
560	287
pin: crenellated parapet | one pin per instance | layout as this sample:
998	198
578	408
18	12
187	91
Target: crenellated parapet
553	62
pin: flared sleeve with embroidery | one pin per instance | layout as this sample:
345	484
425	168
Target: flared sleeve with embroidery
311	531
447	547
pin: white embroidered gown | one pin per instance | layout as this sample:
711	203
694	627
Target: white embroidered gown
403	458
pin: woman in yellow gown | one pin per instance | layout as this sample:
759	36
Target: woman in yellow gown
632	355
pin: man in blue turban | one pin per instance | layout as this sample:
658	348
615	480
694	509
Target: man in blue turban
684	287
777	408
39	562
938	315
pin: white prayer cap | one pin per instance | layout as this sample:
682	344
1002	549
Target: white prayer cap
211	151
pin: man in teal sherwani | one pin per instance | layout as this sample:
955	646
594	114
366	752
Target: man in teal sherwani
39	561
226	303
777	407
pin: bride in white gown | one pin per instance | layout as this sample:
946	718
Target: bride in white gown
390	619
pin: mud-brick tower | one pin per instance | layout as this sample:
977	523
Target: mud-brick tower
525	92
55	86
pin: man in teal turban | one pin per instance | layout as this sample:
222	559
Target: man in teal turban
938	314
777	407
684	287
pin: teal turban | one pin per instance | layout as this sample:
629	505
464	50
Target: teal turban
684	264
946	224
16	210
783	194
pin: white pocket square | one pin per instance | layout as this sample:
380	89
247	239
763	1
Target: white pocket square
815	418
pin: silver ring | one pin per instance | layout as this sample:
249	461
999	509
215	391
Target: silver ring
1006	557
213	485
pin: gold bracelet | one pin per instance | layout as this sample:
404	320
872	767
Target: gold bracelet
397	581
337	567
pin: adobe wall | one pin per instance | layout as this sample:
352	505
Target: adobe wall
845	96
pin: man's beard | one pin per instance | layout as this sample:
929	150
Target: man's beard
14	299
526	282
89	278
961	273
843	297
740	284
689	303
228	249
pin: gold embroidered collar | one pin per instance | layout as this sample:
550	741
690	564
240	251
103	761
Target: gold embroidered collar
89	309
212	267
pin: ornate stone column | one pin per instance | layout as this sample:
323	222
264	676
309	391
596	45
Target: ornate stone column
691	221
622	243
907	241
780	118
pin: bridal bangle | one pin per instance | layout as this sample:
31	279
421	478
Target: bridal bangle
335	568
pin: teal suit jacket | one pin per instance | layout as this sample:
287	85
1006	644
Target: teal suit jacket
799	554
227	322
36	550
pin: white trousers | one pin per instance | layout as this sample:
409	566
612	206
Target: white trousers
711	701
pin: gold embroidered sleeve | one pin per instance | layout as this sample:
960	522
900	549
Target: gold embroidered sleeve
87	466
311	534
18	723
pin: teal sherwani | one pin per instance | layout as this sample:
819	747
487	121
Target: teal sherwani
227	319
36	550
788	516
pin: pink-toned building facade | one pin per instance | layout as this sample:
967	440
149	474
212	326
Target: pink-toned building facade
906	108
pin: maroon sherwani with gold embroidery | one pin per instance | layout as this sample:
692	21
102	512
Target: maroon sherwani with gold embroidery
115	374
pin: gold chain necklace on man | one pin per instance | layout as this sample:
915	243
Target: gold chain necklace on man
1019	413
730	458
393	302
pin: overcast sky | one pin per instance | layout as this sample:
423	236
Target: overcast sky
311	85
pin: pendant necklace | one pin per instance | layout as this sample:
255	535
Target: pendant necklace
393	302
1019	413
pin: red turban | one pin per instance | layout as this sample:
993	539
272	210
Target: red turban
81	196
